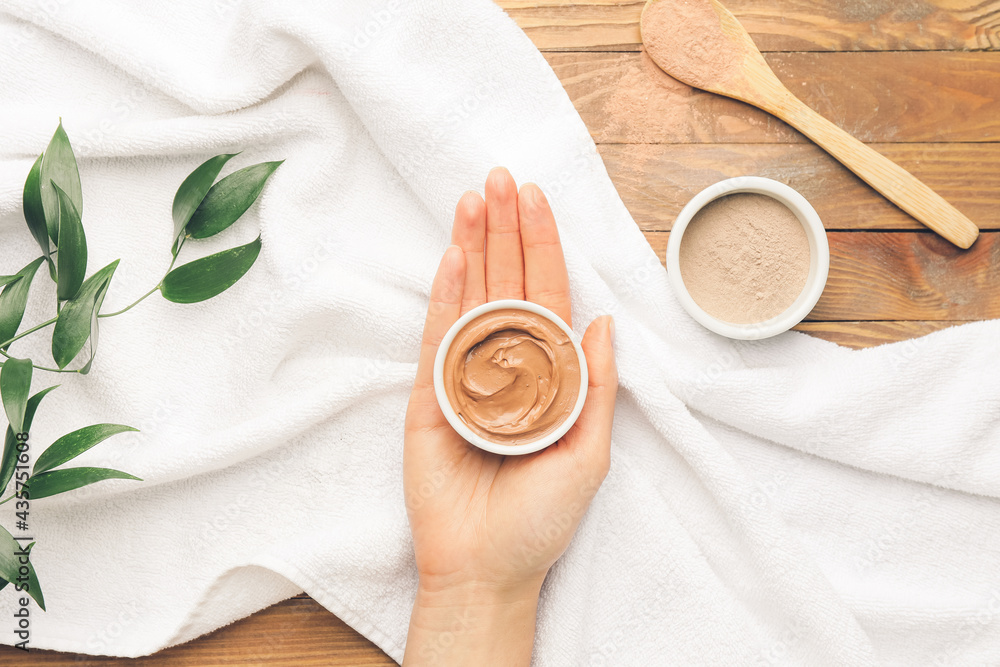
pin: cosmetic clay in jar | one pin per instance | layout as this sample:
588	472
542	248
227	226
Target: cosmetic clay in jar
748	258
510	377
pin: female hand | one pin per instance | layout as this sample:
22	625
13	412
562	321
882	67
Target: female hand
487	528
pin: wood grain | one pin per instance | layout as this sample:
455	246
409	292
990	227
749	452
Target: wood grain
902	276
295	632
792	25
857	335
656	180
877	97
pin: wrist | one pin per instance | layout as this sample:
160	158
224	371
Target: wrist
442	590
472	622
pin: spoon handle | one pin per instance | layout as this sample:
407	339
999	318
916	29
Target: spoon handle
898	185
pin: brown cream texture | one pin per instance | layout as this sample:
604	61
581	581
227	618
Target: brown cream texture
744	258
512	376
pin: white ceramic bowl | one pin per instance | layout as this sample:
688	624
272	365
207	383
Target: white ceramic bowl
460	426
819	257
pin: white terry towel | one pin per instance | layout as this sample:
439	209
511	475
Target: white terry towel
775	502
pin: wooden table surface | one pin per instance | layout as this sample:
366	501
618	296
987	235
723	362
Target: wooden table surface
917	79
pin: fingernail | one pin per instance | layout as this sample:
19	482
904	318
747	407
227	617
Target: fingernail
499	177
530	192
611	329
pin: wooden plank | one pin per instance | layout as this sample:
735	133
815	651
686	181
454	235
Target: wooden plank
295	632
878	97
656	180
603	25
902	276
793	25
858	335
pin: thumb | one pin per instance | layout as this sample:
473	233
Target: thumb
591	435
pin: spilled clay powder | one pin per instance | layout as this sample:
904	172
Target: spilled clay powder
685	38
744	258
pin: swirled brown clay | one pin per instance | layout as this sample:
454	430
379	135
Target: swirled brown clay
512	376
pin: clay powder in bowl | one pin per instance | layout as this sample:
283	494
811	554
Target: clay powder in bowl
745	258
748	257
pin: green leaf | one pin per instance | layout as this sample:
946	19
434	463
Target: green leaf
34	210
52	482
206	277
13	299
73	444
229	199
94	331
15	384
59	166
193	190
9	565
6	280
94	323
71	262
9	460
77	320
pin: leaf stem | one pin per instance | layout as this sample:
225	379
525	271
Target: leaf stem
156	287
25	333
41	368
13	495
174	259
131	305
58	304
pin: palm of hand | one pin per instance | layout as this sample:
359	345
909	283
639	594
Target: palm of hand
477	516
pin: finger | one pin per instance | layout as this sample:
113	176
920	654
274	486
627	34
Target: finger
504	263
444	308
590	437
469	233
545	279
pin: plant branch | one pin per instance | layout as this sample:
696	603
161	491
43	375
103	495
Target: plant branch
156	287
42	368
131	305
25	333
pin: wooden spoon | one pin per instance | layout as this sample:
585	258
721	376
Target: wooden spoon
700	43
